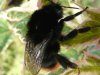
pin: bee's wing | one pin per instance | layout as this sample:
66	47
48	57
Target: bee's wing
34	55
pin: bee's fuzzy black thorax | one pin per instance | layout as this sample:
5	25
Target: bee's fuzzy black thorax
43	21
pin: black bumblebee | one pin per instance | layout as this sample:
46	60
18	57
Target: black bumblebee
44	37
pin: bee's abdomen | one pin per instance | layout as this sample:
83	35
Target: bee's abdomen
49	60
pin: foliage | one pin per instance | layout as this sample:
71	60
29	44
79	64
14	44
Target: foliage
84	49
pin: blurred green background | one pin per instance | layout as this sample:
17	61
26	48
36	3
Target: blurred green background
84	49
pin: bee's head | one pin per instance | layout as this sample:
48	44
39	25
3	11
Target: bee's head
54	8
57	8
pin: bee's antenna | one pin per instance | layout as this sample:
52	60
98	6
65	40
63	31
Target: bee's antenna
69	7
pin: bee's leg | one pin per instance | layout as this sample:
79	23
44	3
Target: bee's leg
74	33
65	62
71	17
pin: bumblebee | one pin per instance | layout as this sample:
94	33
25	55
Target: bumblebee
44	36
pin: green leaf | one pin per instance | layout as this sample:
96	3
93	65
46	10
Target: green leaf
95	52
66	30
17	15
90	3
71	54
22	26
94	14
90	70
5	33
16	57
92	59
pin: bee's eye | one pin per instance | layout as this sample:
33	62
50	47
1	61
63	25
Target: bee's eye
58	12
